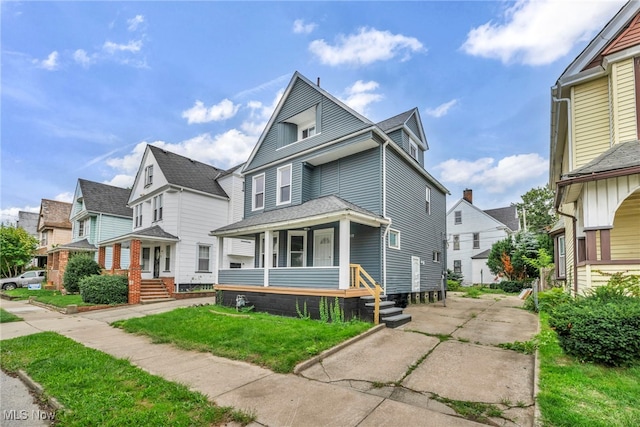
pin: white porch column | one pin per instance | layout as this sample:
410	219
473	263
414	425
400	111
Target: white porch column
219	262
345	252
268	255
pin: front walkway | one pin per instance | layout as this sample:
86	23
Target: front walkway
350	388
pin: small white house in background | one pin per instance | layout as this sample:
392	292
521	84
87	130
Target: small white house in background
176	201
471	232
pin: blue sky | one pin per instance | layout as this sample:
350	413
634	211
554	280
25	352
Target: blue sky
86	85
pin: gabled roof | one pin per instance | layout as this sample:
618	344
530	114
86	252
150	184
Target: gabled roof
54	214
322	206
400	121
620	156
297	76
181	171
482	255
606	37
507	215
103	198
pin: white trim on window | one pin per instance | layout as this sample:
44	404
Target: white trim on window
413	149
298	262
202	250
428	200
148	175
437	256
394	239
284	185
157	208
257	196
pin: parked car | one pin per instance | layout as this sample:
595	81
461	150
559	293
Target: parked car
22	281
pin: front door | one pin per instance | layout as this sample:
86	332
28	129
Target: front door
415	274
156	262
323	248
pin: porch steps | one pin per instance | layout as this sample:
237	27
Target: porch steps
153	290
390	315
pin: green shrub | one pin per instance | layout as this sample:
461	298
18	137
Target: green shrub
597	331
547	300
104	289
79	267
511	286
453	285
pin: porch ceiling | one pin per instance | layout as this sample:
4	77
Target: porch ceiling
314	212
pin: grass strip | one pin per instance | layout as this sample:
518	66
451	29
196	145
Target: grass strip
275	342
6	317
47	296
98	389
578	394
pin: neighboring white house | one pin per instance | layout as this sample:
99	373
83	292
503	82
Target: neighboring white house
470	234
176	201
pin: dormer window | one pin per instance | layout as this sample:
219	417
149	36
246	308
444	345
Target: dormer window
299	127
413	150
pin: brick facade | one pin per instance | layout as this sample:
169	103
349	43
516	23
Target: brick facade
135	273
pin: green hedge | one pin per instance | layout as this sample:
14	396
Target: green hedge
79	267
104	289
548	300
596	331
511	286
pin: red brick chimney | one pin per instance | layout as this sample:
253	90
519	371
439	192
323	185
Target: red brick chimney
467	194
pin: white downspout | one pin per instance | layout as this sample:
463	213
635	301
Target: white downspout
569	126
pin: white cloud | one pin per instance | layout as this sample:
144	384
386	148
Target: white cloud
64	197
299	27
225	109
494	177
129	163
259	115
539	32
122	181
442	110
133	46
51	63
135	22
368	45
361	94
81	57
10	215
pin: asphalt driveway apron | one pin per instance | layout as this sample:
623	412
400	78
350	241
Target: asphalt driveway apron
445	354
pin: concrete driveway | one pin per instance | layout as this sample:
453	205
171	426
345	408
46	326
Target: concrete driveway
445	353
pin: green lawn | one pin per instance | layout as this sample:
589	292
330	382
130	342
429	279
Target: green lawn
275	342
575	394
97	389
46	296
6	317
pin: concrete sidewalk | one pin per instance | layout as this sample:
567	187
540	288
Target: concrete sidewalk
389	378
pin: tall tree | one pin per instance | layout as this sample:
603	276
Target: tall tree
536	209
17	248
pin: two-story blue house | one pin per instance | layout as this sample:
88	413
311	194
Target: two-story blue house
327	192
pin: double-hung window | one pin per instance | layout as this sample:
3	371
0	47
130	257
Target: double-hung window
167	258
157	208
476	240
457	266
148	175
274	251
284	185
456	242
561	255
146	255
457	215
204	257
436	256
297	249
394	239
257	199
137	214
82	230
413	149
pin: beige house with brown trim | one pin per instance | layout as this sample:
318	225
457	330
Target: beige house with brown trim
595	156
54	227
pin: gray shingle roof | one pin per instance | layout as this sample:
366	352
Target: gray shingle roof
54	214
508	216
620	156
482	255
105	198
188	173
154	231
81	245
395	121
320	206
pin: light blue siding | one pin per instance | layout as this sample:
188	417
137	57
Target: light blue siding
420	233
242	276
310	277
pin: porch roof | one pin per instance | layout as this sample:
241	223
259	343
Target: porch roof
316	211
151	233
79	246
620	156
